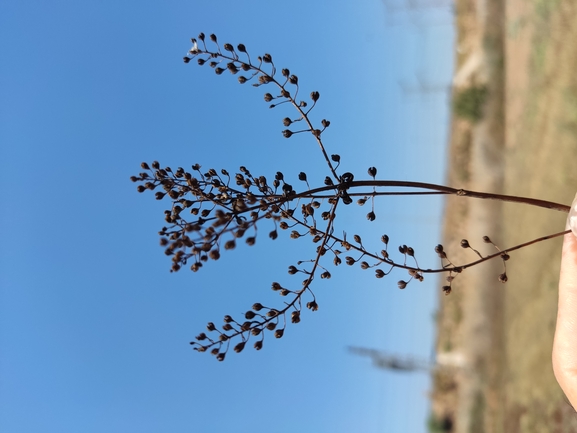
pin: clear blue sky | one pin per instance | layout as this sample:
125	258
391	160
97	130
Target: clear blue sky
94	330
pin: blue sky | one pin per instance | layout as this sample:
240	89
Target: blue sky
94	330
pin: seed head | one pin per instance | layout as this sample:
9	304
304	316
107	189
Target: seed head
295	316
312	305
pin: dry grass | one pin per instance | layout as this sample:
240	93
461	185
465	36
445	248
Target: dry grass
507	331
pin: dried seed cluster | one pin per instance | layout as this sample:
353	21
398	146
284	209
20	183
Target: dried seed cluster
212	211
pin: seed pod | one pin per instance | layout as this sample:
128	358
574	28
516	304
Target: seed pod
258	345
279	333
315	96
295	316
379	273
402	284
465	243
372	172
312	305
238	348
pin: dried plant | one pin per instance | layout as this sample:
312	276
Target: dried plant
227	208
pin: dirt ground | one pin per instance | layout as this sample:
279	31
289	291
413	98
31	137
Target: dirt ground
526	144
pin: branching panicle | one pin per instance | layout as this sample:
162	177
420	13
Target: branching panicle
211	211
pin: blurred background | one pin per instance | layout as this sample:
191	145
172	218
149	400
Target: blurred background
95	330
